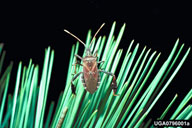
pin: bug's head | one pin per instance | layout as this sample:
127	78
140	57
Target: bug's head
88	50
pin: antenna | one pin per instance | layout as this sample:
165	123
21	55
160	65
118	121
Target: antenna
96	33
74	37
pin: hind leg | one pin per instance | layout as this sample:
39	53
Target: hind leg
114	83
73	88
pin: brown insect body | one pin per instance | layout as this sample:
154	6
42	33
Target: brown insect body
90	73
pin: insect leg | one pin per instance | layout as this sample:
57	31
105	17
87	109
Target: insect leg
114	83
77	62
102	61
77	56
72	85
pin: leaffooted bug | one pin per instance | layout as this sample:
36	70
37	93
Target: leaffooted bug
90	74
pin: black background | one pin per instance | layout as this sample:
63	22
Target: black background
27	28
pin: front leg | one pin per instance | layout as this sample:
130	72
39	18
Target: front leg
73	88
114	83
78	57
101	62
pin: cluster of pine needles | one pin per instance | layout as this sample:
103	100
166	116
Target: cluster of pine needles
26	107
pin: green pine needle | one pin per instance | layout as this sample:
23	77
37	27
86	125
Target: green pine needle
26	107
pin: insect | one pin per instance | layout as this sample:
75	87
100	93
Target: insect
90	75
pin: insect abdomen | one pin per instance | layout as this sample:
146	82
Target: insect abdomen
90	72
